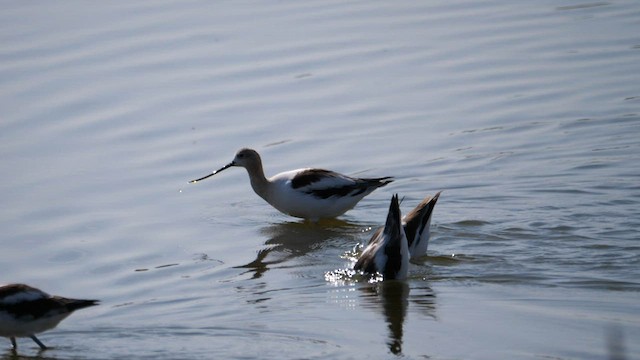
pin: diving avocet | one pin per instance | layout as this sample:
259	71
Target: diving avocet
416	225
388	250
385	252
307	193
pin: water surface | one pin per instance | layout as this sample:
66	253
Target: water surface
526	115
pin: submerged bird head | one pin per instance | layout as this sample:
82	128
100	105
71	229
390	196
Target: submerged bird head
245	157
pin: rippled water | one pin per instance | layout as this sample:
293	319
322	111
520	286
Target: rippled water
527	115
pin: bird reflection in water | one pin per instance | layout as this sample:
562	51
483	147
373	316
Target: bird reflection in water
392	299
290	240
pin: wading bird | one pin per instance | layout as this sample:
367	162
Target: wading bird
307	193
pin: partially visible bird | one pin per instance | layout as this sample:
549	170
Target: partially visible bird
416	225
388	250
26	311
307	193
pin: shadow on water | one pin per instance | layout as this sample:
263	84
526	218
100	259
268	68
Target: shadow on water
392	299
11	354
290	240
615	343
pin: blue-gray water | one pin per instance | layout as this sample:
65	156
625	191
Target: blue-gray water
526	114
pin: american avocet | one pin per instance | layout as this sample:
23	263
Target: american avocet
26	311
308	193
416	226
388	250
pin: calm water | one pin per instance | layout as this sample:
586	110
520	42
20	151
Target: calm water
527	115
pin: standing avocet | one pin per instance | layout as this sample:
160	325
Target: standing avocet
26	311
308	193
416	226
388	250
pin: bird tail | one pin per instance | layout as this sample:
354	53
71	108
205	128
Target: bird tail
424	210
394	219
417	225
383	181
76	304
